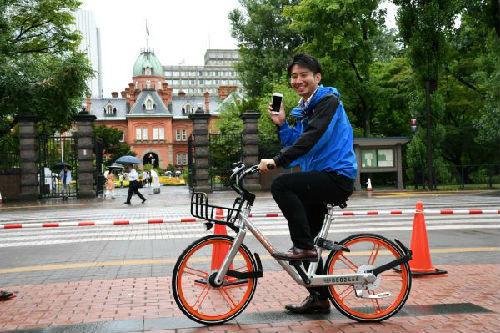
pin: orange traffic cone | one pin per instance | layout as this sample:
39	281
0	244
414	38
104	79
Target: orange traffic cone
421	263
219	251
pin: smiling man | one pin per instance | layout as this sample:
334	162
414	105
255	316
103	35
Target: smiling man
321	143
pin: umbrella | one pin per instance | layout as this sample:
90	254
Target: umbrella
61	165
127	159
115	166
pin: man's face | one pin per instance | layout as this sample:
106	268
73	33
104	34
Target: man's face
304	81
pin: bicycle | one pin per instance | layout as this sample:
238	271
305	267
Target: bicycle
211	291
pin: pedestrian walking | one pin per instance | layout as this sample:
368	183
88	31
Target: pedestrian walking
145	178
120	179
133	185
110	185
65	177
150	177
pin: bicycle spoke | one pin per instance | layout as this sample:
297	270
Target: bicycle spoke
201	297
349	289
196	272
374	254
348	263
375	302
227	298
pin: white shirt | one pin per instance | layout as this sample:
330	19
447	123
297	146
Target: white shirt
133	175
68	176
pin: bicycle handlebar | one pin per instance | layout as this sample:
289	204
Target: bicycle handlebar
240	171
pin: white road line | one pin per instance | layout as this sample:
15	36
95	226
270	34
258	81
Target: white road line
277	227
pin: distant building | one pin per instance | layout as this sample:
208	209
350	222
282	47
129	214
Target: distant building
91	45
218	70
153	119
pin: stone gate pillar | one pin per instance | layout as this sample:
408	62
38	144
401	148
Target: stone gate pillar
85	154
251	147
200	142
28	157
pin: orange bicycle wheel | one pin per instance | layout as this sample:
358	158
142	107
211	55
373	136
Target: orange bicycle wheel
380	299
196	297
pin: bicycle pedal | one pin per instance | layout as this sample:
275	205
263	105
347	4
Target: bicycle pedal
376	296
332	246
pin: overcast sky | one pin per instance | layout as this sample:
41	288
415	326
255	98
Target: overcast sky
180	31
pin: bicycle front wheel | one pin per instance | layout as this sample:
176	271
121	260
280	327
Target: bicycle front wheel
196	297
378	300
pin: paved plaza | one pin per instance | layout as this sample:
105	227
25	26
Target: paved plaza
117	277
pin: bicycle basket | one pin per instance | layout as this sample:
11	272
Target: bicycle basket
201	209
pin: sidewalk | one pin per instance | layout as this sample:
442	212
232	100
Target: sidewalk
467	300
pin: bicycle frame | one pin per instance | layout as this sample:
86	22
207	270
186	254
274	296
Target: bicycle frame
244	224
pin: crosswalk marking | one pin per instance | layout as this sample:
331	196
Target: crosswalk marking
268	226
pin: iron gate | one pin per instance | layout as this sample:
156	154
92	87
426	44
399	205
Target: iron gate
55	152
223	151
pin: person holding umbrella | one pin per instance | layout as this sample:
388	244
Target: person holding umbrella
133	186
65	177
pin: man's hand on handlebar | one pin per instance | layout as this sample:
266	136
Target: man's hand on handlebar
266	164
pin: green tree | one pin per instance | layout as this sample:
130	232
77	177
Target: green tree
41	70
112	146
476	67
344	35
423	26
265	43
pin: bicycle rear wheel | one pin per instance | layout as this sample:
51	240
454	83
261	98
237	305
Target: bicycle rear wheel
380	299
199	300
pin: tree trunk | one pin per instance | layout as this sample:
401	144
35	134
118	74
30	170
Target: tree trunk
430	169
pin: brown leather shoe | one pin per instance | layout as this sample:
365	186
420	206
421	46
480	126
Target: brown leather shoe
312	304
297	254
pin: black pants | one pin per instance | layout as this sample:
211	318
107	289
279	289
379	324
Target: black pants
302	197
133	187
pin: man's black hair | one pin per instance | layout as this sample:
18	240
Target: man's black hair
305	60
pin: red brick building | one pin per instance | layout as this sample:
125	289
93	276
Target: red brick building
153	120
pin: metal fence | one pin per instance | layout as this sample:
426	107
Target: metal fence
460	177
224	150
9	160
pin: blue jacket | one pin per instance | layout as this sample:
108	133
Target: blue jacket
322	139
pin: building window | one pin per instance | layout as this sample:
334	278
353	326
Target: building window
122	139
377	158
149	103
181	135
148	84
109	110
147	71
141	134
159	133
182	159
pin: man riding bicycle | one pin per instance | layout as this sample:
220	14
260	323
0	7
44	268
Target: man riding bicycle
321	143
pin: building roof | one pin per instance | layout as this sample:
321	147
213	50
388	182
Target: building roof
140	107
389	141
147	59
99	106
180	102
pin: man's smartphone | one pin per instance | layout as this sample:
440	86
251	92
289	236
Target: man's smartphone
277	98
